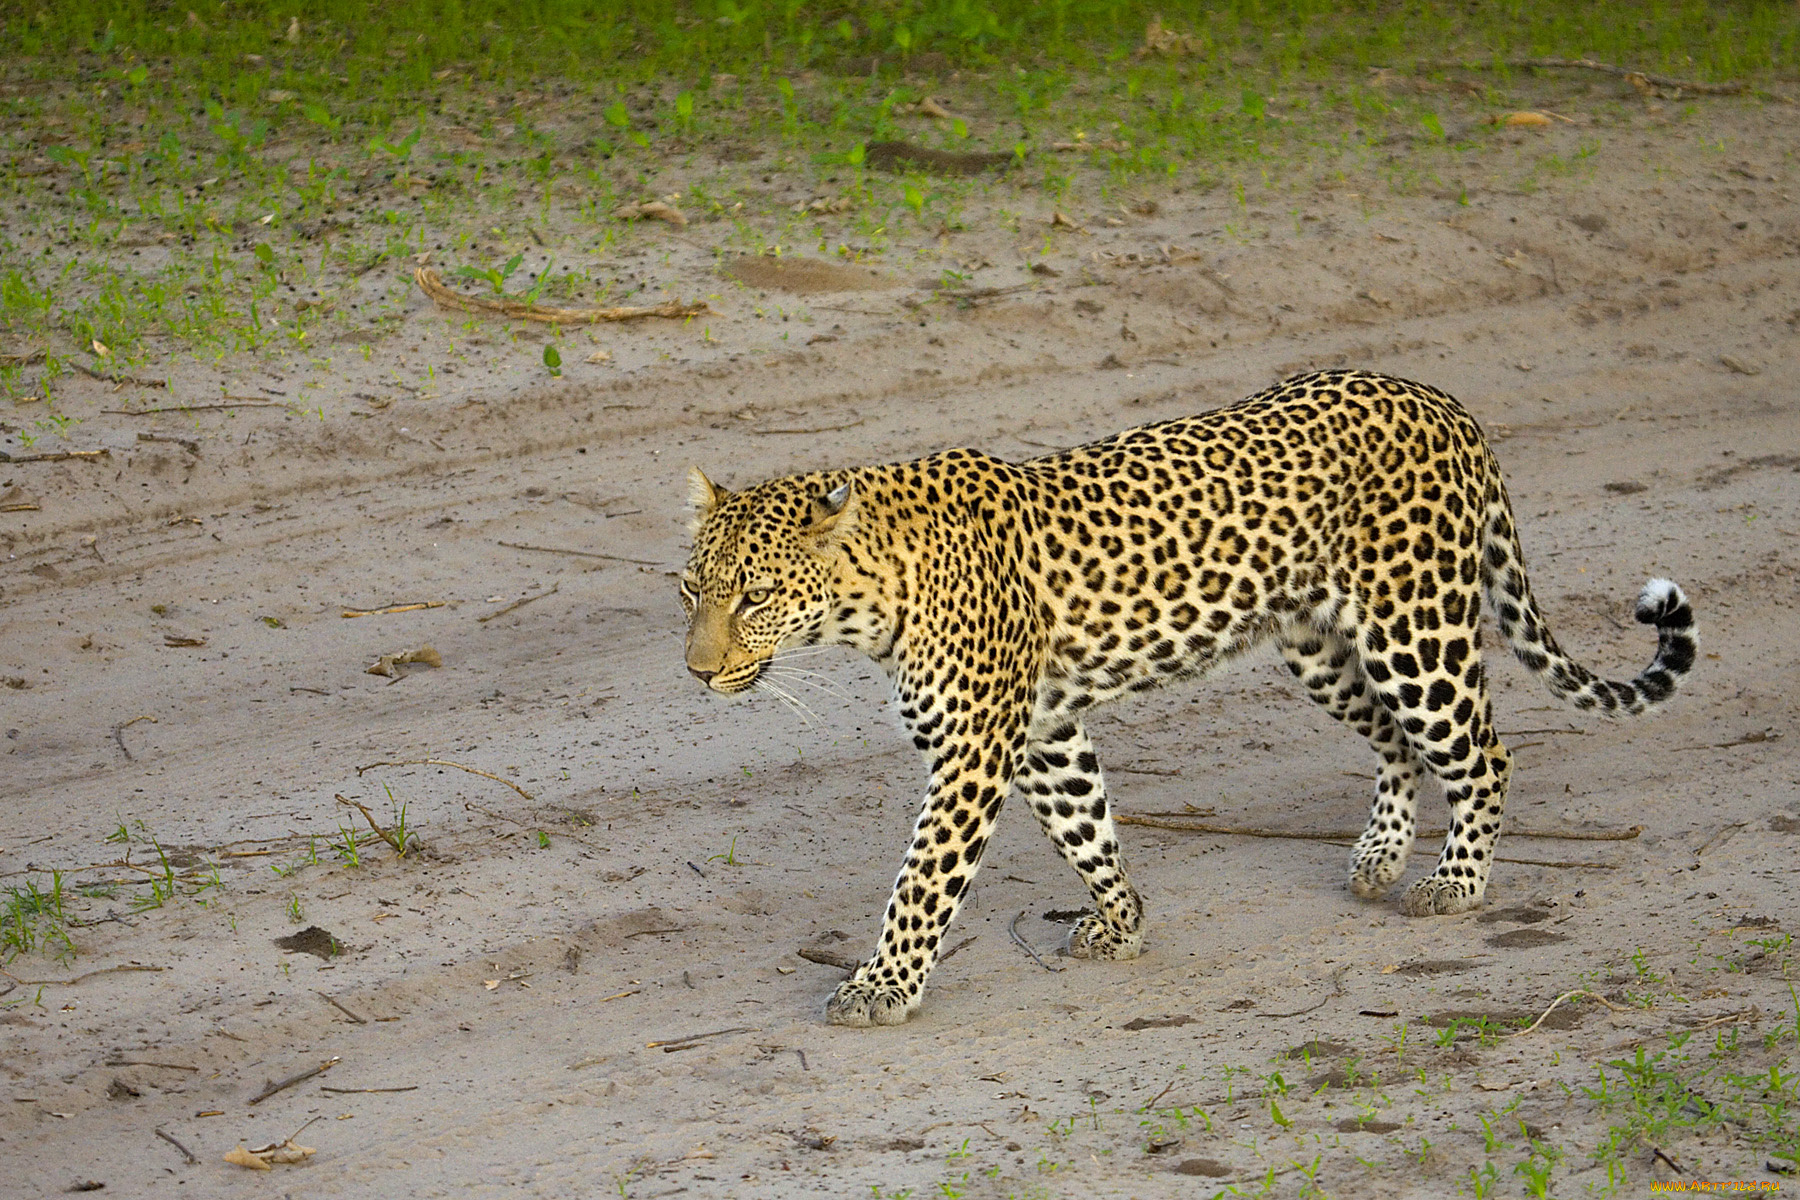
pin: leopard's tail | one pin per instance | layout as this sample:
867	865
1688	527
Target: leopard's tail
1661	603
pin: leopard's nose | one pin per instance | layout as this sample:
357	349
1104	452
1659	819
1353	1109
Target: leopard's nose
702	676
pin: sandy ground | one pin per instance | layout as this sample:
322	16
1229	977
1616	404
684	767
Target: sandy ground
1626	332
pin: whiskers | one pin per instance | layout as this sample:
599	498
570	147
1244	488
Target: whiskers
781	679
806	715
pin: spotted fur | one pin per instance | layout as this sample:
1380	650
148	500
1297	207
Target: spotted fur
1354	520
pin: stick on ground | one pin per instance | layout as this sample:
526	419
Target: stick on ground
519	604
1732	88
1570	995
829	958
444	762
340	1007
1024	945
642	562
1180	823
189	1154
386	835
271	1086
432	284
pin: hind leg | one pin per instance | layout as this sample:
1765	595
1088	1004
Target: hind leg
1326	665
1061	781
1445	713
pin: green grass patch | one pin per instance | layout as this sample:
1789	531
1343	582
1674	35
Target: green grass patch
248	184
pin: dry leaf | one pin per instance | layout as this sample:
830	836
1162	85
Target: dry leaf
600	356
243	1157
652	208
490	984
1526	118
387	663
101	348
1060	220
176	639
290	1152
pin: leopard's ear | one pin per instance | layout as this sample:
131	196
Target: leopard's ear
833	515
703	494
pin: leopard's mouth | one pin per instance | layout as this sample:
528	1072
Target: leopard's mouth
738	679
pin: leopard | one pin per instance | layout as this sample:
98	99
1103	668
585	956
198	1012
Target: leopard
1356	521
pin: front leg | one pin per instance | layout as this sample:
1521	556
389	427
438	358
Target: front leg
972	769
1061	781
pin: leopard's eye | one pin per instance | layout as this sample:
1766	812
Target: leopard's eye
690	593
755	596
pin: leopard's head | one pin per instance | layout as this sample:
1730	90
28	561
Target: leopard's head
759	577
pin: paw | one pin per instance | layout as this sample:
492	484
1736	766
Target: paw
1435	897
861	1003
1371	874
1092	938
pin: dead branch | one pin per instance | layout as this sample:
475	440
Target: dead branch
386	835
1179	823
432	284
79	978
444	762
335	1004
1733	88
187	408
1544	862
642	562
816	428
683	1043
393	608
186	1153
1019	940
829	958
271	1087
1337	989
1570	995
55	456
117	380
516	604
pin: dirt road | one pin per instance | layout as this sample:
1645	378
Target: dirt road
583	979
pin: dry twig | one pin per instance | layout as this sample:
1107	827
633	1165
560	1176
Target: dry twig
322	995
1024	945
118	380
516	604
55	456
186	1153
186	408
642	562
1733	88
386	835
829	958
815	429
1337	989
393	608
1179	823
432	284
682	1043
270	1087
1569	995
444	762
79	978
